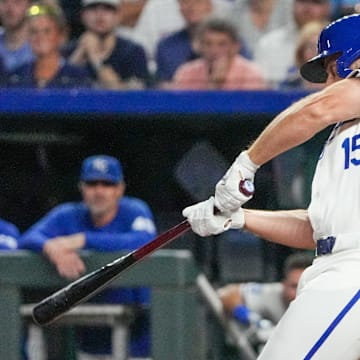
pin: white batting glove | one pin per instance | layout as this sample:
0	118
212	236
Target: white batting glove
236	187
203	221
237	219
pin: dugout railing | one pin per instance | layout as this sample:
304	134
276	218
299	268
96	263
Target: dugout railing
177	322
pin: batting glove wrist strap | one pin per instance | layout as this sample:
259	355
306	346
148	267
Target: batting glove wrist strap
238	219
247	165
229	195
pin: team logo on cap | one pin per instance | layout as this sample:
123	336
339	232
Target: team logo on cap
101	165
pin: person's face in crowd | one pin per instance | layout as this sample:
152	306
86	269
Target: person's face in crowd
101	197
215	45
311	10
101	19
12	13
194	11
290	283
45	36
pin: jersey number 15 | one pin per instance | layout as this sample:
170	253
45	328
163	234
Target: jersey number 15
350	145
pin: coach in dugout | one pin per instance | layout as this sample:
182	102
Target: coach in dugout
105	220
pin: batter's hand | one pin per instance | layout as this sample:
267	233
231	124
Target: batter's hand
236	187
204	222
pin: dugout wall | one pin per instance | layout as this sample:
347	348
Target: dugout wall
159	137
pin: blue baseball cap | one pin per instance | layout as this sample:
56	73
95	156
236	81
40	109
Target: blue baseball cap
101	168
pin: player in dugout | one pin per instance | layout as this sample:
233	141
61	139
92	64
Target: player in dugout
323	321
258	307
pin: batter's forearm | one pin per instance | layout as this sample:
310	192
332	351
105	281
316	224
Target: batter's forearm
289	129
290	228
305	118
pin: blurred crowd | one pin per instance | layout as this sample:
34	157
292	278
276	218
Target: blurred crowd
163	44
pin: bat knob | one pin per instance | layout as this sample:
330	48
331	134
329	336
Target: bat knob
247	187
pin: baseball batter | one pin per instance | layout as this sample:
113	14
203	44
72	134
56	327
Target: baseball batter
323	322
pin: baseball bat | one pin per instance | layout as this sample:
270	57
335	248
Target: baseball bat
88	285
55	305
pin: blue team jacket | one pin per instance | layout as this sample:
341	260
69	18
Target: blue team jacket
132	227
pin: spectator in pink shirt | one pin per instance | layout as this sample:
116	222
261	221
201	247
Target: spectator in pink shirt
220	66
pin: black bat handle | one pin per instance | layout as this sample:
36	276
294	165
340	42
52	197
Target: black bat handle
78	291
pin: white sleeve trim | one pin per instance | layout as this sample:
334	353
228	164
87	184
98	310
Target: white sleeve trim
143	224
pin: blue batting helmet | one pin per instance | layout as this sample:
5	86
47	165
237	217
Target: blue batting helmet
341	37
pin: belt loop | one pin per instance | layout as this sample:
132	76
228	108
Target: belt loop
325	246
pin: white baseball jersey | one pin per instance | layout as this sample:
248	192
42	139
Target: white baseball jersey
323	322
336	184
266	299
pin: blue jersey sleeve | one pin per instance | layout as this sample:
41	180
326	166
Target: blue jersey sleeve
132	227
50	226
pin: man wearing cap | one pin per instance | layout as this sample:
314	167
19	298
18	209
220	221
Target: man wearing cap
105	220
114	62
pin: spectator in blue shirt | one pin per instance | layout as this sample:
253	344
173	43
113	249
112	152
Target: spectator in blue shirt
47	34
105	220
9	235
113	62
